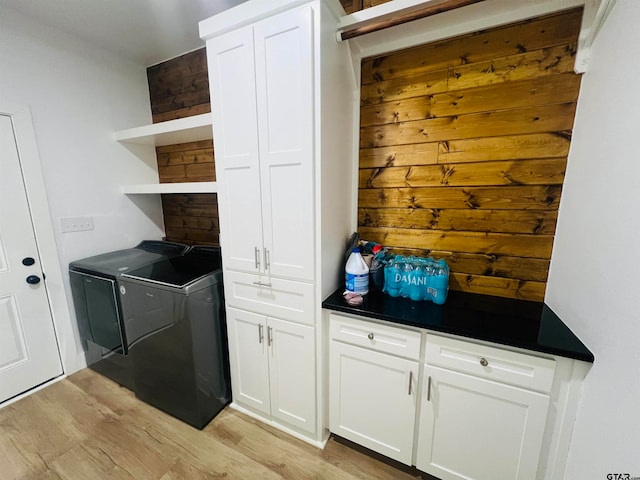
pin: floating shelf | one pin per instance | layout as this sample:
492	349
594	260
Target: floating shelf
187	187
182	130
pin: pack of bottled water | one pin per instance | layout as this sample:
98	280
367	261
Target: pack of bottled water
417	278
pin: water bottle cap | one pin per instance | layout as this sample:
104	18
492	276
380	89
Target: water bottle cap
356	250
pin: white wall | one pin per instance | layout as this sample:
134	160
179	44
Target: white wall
78	95
593	281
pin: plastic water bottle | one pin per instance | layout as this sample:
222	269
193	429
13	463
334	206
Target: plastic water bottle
357	273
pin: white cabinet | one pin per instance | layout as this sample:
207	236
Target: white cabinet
262	101
274	367
474	426
283	103
455	409
373	394
477	429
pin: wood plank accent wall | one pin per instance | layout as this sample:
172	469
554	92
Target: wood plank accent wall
180	88
351	6
463	150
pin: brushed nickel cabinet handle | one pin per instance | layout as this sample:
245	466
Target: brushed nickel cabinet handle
484	362
256	257
267	263
260	335
269	336
410	381
263	284
429	389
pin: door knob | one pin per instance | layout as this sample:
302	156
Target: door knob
28	261
33	279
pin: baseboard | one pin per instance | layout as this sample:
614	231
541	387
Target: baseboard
316	443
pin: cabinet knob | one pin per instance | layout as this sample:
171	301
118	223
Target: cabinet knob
483	362
370	336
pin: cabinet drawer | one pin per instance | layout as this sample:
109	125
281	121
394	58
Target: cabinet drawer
279	298
505	366
382	338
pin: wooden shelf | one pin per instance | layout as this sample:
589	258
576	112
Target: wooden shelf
187	187
182	130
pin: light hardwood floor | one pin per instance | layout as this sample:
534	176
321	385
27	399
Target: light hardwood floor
86	427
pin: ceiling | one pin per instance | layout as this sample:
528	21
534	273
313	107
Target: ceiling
145	31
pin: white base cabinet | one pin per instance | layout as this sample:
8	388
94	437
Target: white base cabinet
374	390
472	428
273	367
373	399
454	408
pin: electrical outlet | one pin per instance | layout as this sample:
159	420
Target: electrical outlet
76	224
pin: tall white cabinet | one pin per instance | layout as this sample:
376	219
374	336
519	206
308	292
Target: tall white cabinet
282	105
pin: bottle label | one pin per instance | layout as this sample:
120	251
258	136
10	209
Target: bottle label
357	283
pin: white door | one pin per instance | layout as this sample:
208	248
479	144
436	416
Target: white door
248	359
476	429
284	86
373	399
293	373
233	105
28	349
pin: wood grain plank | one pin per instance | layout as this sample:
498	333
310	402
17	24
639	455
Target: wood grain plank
404	87
529	246
540	119
544	63
281	455
536	34
180	84
510	147
501	287
201	223
539	91
398	155
507	197
541	222
192	236
204	155
184	147
144	443
182	112
516	172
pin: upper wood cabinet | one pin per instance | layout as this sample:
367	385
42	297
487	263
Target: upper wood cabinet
262	97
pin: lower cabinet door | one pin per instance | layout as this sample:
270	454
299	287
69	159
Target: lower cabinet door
373	399
476	429
248	359
293	373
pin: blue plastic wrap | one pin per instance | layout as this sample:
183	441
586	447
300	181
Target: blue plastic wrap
417	278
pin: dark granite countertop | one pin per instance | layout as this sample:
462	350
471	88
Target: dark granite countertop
518	323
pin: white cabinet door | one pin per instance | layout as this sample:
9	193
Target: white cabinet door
373	399
284	86
273	368
476	429
248	359
292	373
233	104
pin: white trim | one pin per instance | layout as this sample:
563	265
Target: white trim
316	443
254	11
43	228
33	390
465	20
